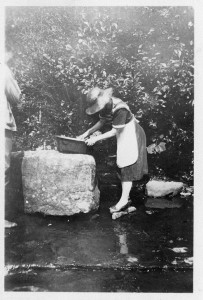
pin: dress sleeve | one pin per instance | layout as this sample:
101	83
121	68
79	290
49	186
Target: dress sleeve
12	89
107	117
120	118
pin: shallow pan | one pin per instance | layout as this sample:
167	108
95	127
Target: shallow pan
71	145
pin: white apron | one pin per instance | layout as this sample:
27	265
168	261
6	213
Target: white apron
127	147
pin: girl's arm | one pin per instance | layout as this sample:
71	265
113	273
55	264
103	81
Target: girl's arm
100	137
94	128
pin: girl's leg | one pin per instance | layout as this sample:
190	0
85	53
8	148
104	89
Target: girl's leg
126	187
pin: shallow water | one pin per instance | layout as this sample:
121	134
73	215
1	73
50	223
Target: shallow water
94	253
109	280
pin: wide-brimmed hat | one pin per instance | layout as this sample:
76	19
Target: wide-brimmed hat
97	99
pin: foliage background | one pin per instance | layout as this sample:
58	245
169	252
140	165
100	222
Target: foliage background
145	53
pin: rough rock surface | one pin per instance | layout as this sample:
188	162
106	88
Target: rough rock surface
59	184
156	188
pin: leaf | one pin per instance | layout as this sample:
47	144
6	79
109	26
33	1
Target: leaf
115	25
151	148
165	88
68	47
157	149
179	53
86	23
161	147
163	65
190	24
151	30
153	124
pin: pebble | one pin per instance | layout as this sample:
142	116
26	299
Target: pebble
132	259
189	260
122	213
180	250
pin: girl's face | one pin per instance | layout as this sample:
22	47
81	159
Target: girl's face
108	107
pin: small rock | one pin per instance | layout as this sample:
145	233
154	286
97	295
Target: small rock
132	259
185	194
174	262
180	250
155	188
149	212
8	224
189	260
165	267
122	213
94	217
131	209
118	214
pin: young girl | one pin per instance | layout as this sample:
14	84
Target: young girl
131	140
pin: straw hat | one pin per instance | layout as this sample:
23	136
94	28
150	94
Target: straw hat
97	99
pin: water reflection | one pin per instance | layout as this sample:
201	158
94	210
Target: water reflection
123	243
122	237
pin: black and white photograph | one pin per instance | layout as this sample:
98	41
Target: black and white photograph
98	167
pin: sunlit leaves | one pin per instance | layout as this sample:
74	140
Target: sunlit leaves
154	148
144	53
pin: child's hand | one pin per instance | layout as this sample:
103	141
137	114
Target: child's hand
96	133
91	141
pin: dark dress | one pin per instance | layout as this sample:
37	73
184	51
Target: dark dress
119	119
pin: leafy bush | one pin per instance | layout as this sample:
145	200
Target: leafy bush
144	53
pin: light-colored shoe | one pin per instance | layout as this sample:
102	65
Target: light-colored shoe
114	209
8	224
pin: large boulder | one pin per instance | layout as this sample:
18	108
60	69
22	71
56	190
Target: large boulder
59	184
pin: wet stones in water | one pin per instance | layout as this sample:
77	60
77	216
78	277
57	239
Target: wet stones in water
119	214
